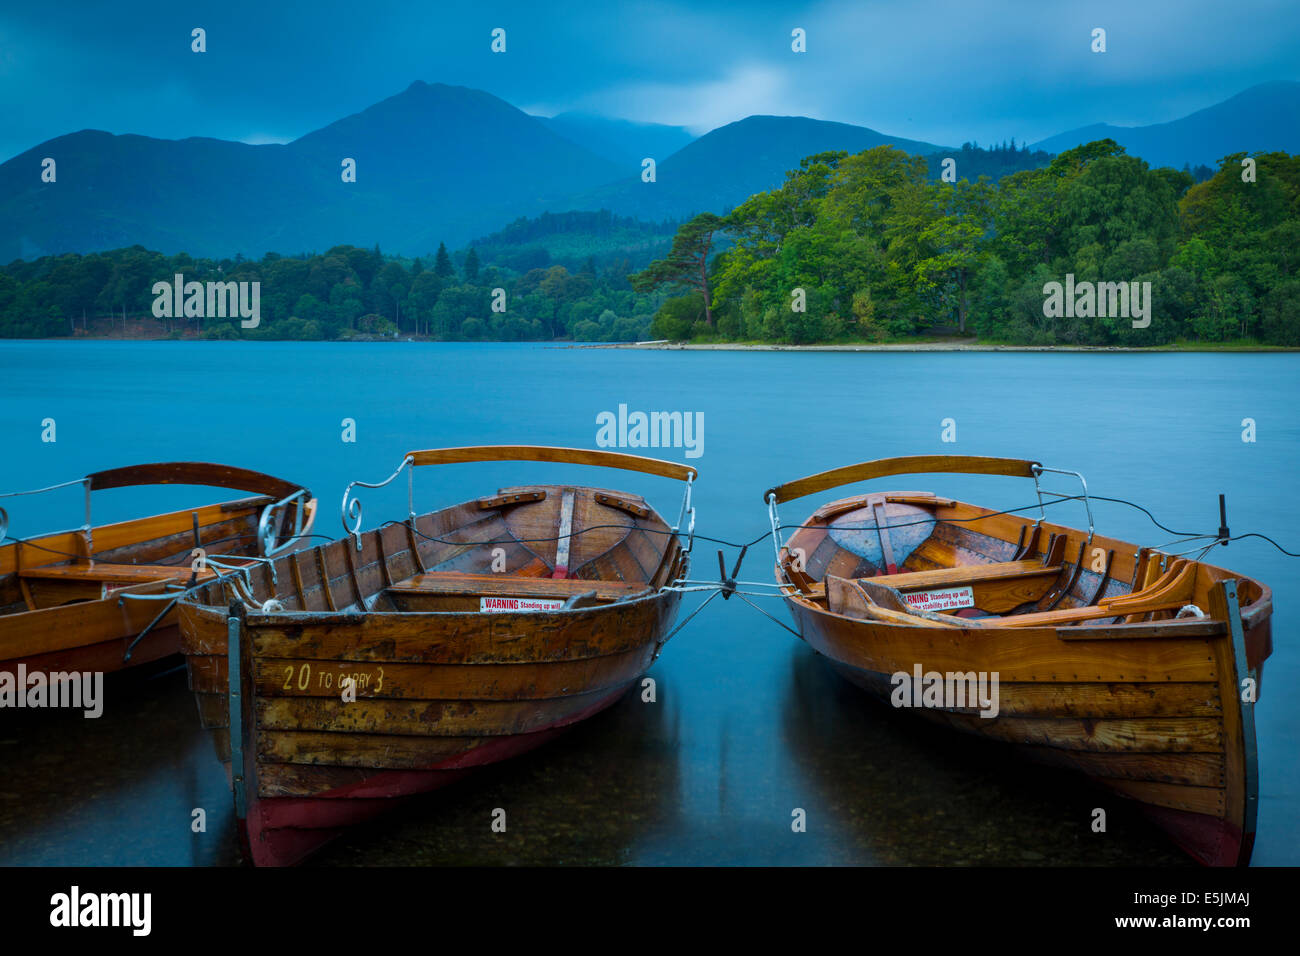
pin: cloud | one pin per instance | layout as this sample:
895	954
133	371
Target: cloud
942	71
264	139
704	104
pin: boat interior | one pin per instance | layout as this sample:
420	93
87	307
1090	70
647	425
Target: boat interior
917	559
145	555
524	548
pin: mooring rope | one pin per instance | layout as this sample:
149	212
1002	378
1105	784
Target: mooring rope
238	577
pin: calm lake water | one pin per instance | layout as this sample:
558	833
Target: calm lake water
749	724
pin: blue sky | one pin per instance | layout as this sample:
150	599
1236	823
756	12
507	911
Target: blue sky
944	71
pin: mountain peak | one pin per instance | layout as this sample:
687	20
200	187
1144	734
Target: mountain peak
1262	118
437	162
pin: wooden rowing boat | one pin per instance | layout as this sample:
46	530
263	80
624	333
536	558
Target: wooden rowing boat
1138	668
390	662
97	599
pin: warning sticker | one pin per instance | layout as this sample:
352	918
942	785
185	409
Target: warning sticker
510	604
945	600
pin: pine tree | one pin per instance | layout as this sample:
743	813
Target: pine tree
471	266
442	266
687	262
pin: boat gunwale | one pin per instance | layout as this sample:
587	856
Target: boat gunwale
257	494
234	504
256	618
1252	615
353	614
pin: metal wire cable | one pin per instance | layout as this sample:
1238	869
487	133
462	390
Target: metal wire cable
180	557
1060	499
721	541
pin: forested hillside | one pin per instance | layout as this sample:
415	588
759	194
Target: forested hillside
864	247
868	247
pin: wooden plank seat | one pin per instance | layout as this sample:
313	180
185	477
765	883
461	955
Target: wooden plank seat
966	574
114	573
457	583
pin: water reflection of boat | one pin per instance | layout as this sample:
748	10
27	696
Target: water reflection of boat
393	661
76	791
909	793
598	795
1125	663
96	599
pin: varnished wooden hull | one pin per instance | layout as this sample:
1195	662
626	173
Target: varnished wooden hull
1182	790
86	625
282	831
107	656
1147	721
1151	711
60	612
465	690
438	692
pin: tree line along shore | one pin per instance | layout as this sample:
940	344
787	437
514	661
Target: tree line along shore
861	249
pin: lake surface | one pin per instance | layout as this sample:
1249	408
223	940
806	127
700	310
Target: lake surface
749	724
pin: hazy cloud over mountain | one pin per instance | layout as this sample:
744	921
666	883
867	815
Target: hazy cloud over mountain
942	71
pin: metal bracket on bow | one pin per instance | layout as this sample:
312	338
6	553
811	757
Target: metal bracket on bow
352	508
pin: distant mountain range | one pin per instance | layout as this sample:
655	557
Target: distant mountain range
1263	118
433	163
446	163
620	141
725	167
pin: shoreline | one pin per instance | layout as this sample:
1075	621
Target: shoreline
956	346
920	347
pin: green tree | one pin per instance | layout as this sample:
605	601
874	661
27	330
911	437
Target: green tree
442	266
687	263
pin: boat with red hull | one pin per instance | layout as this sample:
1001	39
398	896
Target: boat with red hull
1137	668
341	680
